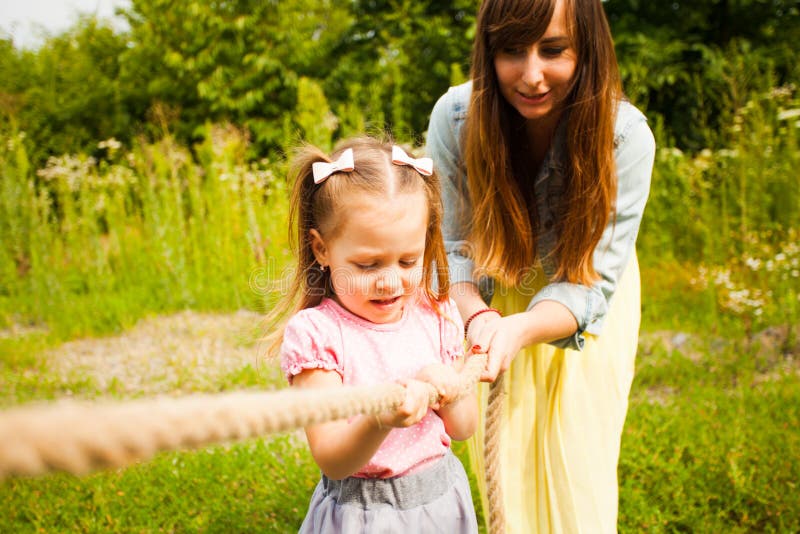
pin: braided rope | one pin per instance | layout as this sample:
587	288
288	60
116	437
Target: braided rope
79	437
491	447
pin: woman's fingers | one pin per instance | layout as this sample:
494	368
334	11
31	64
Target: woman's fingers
498	340
484	342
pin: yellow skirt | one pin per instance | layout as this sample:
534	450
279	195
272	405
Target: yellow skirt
562	423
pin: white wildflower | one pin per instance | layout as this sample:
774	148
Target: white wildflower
787	114
753	263
111	144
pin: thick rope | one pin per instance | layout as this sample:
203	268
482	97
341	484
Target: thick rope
491	448
79	437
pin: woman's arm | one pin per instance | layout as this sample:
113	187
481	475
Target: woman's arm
502	337
341	448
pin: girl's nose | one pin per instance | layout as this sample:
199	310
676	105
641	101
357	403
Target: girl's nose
388	281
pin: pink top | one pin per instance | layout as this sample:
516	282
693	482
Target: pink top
364	353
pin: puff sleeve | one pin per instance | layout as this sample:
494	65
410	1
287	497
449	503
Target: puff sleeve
309	342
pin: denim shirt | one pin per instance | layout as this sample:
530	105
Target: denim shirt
634	152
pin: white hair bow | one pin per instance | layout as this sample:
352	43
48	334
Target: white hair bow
424	166
323	170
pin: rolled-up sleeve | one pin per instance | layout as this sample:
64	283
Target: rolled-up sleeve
443	146
634	154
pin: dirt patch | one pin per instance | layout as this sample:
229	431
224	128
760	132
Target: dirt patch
174	354
689	345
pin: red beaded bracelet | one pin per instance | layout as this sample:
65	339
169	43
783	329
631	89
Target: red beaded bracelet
477	313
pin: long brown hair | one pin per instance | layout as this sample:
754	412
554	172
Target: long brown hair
324	207
504	231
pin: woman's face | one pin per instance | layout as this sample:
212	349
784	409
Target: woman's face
536	80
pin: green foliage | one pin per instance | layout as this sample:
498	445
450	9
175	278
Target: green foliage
381	66
67	96
313	114
214	62
396	59
729	218
147	231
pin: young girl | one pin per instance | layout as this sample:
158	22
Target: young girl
368	240
546	171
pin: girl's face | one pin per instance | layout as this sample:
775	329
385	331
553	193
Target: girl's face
376	257
536	80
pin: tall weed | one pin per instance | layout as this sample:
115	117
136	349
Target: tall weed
90	245
732	215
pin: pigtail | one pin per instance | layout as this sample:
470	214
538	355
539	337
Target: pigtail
435	255
307	283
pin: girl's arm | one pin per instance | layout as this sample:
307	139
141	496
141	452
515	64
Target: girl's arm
460	416
341	448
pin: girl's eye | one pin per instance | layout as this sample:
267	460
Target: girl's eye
409	263
366	266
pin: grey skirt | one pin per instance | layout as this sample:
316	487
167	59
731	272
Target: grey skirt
434	500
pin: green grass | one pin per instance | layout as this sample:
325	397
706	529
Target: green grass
256	486
710	445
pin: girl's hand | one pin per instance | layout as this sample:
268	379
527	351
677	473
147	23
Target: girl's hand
500	338
445	379
413	409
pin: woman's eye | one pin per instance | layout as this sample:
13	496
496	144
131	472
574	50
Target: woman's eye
553	51
513	51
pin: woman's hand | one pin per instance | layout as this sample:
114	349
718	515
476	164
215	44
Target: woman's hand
500	338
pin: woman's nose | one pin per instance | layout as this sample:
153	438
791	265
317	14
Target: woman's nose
532	74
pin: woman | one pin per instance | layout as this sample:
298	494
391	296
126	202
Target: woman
545	172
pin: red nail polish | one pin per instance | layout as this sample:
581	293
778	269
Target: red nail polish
476	348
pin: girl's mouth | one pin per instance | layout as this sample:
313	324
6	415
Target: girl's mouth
385	302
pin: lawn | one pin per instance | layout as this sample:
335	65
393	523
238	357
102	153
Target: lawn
710	443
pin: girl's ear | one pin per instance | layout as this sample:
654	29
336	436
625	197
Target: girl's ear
318	247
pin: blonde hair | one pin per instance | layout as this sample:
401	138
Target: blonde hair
504	230
323	206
